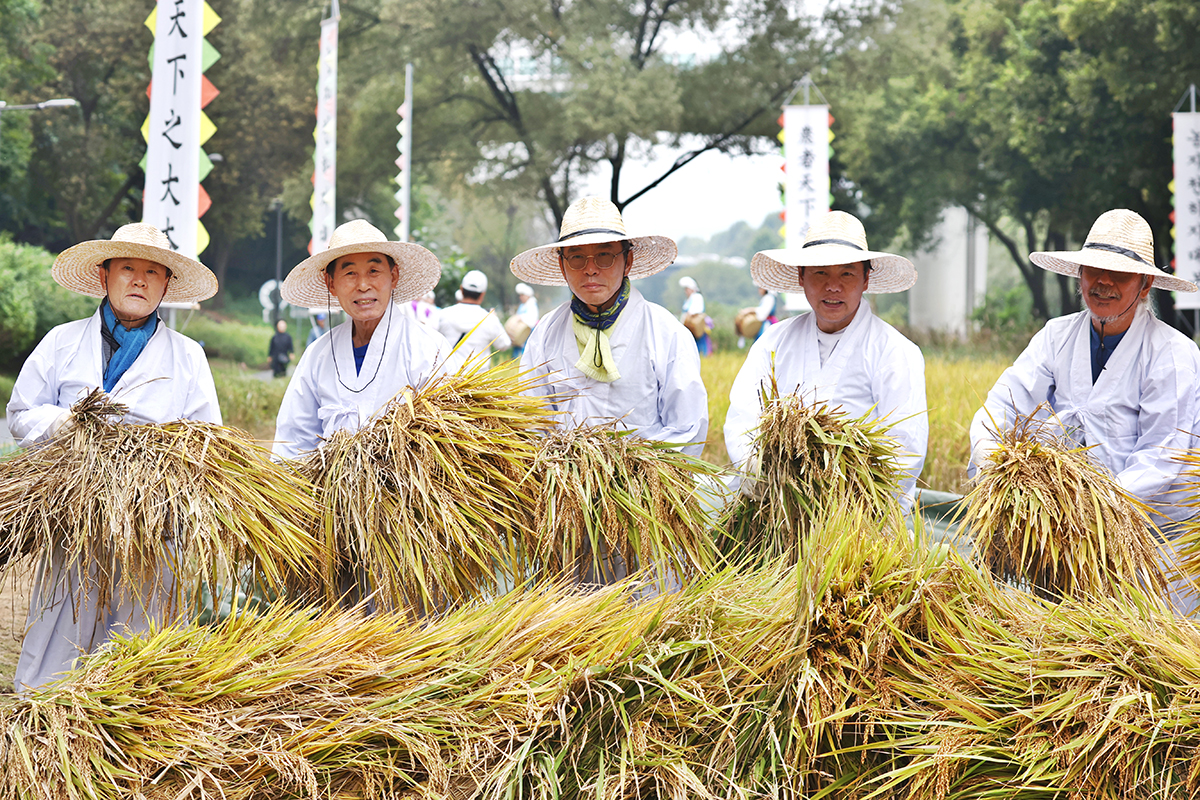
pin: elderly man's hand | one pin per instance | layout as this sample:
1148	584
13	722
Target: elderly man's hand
63	424
981	453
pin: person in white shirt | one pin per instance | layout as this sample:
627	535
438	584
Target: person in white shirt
527	315
469	327
693	317
839	353
1118	380
347	376
609	355
423	310
160	375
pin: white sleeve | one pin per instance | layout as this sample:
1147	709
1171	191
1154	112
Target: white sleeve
202	405
745	403
682	398
33	406
298	424
500	340
900	387
1024	385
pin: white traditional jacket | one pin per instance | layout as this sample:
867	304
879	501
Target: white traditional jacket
1140	413
659	394
326	395
873	368
169	380
478	329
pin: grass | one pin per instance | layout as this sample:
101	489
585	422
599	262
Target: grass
232	341
247	401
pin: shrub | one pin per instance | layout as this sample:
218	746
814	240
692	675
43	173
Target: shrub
31	303
232	341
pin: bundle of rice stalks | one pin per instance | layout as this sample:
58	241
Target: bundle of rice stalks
1045	514
611	503
812	459
425	506
332	706
1186	544
129	504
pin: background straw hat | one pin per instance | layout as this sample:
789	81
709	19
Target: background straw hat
76	267
419	269
834	239
593	220
1119	241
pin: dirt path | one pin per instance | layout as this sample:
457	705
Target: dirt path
14	604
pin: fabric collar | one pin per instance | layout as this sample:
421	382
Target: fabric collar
128	343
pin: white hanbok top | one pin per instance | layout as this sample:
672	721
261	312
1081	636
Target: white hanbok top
872	369
528	311
1139	414
170	380
473	329
693	304
659	394
326	394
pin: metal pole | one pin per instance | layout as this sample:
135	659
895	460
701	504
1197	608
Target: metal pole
278	260
406	234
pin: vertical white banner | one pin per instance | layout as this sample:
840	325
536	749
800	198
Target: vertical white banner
806	154
171	195
1187	203
806	178
325	153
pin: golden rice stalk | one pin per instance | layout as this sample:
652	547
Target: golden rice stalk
426	506
812	459
1045	514
124	502
611	503
1187	544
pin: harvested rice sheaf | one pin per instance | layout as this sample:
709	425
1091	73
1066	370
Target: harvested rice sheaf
611	503
428	505
813	459
119	502
1045	514
1187	544
872	670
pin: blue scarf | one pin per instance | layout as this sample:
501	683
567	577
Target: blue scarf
130	344
601	320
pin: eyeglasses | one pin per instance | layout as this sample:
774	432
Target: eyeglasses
579	262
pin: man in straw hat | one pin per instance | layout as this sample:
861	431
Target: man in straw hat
1120	380
840	352
609	354
161	375
347	376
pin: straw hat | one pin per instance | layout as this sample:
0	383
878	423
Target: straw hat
76	267
832	240
419	269
1119	241
593	220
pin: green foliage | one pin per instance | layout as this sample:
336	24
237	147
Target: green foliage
31	303
247	402
232	341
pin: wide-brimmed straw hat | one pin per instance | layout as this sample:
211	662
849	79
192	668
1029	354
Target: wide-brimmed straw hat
832	240
419	269
1119	241
76	267
593	220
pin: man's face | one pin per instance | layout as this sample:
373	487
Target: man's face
135	287
363	283
1112	297
595	285
834	293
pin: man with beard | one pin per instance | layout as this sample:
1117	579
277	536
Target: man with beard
1119	380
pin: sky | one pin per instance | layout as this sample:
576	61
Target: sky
705	197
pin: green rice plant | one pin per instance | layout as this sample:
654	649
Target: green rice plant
955	389
428	505
612	503
120	502
1044	513
810	458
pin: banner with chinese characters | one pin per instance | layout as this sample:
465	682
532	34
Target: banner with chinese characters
806	168
806	147
325	152
1186	187
177	127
